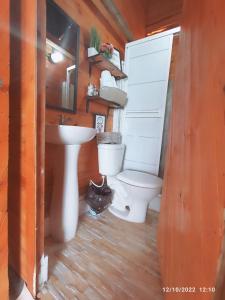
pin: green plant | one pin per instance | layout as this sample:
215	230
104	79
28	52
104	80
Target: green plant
95	39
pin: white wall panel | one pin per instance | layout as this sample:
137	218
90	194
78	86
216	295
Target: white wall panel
149	46
133	165
149	127
140	149
147	66
147	96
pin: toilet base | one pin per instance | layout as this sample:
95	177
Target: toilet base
130	202
128	215
118	213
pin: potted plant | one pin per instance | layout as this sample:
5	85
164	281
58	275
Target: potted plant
107	50
94	42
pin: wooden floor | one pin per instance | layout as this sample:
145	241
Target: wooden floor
109	259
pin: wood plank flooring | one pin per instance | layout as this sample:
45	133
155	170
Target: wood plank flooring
109	259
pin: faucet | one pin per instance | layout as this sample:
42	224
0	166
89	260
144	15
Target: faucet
63	120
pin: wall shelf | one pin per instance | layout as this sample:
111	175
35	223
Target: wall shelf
100	100
104	64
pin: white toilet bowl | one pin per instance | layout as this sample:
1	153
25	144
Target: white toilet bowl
132	190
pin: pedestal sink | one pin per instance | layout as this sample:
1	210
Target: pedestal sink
64	210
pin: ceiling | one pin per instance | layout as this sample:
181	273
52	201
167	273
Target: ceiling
138	18
163	14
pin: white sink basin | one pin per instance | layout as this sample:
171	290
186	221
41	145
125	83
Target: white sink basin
69	135
64	212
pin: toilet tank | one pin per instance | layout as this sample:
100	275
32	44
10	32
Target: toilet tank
110	158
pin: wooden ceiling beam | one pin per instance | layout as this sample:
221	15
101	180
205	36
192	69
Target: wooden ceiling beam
164	24
107	18
122	24
163	14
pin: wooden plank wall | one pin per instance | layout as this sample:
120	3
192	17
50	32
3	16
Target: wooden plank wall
163	14
86	14
191	219
22	137
4	125
135	15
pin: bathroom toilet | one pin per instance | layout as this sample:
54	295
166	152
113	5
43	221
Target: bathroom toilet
132	190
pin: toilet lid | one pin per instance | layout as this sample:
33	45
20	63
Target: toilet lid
140	179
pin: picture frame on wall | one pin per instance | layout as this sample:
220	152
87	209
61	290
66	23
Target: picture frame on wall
116	58
99	122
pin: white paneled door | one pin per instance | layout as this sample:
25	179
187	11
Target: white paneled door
147	64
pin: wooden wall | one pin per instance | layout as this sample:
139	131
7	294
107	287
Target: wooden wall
23	142
4	125
191	219
135	15
163	14
144	16
86	16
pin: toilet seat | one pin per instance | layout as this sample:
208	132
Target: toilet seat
140	179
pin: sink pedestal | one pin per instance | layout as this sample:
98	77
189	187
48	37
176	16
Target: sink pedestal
64	212
65	199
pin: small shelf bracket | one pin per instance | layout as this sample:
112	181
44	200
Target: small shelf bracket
104	64
102	101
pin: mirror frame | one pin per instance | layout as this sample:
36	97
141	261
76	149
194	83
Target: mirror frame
55	107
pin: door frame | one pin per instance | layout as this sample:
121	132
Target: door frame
4	145
26	142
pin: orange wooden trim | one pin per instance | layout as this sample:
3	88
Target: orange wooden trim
41	80
23	141
4	146
191	218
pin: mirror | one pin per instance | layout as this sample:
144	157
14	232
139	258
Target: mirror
62	49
